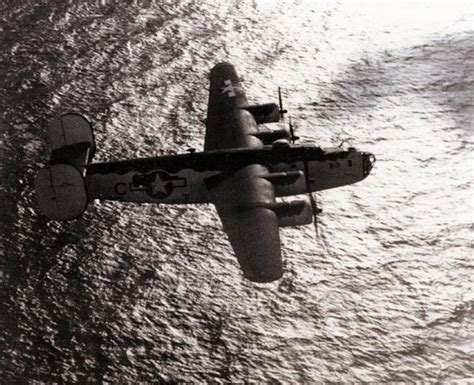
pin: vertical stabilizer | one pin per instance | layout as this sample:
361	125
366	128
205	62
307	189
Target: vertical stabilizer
60	188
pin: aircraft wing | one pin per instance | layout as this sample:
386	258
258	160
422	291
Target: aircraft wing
243	199
245	202
228	125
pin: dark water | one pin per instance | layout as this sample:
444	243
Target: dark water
140	293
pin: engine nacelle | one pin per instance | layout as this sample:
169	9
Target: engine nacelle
293	213
287	183
270	137
264	113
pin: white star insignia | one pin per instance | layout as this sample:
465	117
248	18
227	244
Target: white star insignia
158	186
228	88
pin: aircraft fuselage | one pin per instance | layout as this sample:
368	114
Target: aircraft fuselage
183	178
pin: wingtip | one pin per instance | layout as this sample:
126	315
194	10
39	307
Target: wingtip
222	64
264	277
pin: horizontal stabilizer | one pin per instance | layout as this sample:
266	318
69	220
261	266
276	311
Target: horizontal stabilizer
293	213
61	192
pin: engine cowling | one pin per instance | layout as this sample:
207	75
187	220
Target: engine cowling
264	113
293	213
270	137
287	183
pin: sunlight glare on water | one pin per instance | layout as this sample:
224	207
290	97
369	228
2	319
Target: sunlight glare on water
142	293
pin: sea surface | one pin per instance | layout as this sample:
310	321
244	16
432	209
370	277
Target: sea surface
139	293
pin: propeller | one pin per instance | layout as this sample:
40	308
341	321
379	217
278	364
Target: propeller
314	206
280	103
312	199
316	211
294	138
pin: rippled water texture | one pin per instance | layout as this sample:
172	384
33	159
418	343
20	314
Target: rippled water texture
141	292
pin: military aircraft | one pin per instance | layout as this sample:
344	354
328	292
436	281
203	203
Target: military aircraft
243	171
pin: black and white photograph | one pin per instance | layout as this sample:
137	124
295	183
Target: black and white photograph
236	191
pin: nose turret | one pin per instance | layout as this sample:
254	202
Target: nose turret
368	161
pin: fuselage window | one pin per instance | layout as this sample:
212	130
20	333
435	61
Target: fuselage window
349	163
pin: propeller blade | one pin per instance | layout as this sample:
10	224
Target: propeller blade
314	206
316	211
280	103
294	138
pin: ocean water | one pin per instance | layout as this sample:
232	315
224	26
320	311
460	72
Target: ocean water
133	293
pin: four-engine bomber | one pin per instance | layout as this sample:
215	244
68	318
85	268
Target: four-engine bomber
243	171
